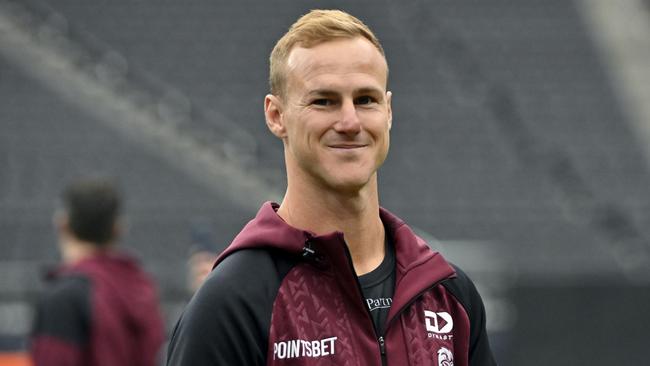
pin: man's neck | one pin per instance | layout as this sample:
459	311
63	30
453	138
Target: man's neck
356	214
74	251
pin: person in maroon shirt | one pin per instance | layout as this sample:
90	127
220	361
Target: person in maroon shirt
328	277
99	308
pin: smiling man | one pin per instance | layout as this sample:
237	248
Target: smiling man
328	277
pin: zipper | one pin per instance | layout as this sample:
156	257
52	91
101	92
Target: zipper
380	340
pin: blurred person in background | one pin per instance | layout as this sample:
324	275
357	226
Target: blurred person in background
203	253
328	277
99	308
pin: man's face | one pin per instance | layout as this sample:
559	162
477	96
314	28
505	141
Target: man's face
335	116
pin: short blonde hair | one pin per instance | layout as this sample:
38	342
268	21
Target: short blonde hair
311	29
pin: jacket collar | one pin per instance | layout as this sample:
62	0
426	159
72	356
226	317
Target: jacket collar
416	263
418	267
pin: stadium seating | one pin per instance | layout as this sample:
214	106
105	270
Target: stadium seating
505	132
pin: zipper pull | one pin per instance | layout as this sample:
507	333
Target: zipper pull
310	254
382	345
307	251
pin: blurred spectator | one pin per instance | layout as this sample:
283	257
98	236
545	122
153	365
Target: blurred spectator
99	307
203	254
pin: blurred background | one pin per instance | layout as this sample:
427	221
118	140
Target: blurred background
521	148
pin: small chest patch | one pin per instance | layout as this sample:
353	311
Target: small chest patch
445	357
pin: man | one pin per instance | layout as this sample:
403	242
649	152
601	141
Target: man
328	277
100	308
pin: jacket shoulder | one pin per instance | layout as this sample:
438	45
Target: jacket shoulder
63	309
464	290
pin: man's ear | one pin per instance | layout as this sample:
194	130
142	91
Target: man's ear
273	113
61	223
119	227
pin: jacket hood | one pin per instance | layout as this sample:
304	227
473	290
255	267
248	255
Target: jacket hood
269	230
417	269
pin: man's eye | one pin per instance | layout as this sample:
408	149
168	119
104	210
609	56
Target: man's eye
322	101
364	100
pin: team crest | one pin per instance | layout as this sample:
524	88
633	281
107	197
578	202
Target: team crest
445	357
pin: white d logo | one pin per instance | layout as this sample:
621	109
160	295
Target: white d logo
433	323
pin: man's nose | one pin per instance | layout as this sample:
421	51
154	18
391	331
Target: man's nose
349	122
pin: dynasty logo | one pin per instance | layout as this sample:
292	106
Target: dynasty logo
438	324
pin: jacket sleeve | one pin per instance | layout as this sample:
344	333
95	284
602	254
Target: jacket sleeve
60	327
227	320
463	288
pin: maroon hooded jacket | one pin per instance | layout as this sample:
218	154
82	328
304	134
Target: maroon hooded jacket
101	311
283	296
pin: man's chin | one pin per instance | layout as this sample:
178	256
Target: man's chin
349	185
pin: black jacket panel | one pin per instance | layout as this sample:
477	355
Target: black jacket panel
464	290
